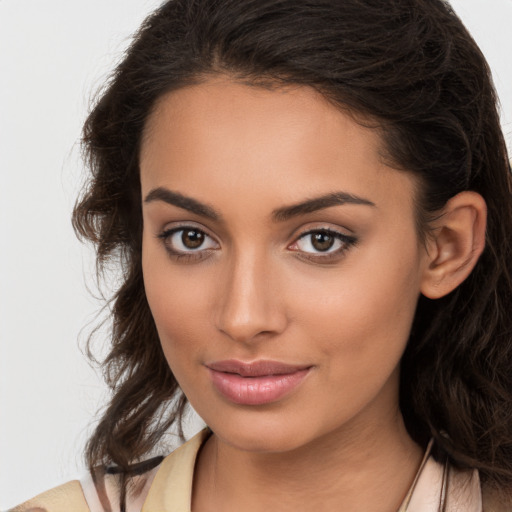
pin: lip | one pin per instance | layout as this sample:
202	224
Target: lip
255	383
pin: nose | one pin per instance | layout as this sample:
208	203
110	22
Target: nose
250	305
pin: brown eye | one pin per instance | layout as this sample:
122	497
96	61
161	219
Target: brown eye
192	238
322	243
188	240
322	240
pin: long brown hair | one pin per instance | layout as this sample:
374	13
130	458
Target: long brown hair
412	68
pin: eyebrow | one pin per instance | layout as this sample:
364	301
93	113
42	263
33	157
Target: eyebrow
278	215
318	203
185	202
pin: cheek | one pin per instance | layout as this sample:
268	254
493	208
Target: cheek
361	317
177	314
180	307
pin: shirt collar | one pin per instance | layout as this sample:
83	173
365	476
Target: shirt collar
436	487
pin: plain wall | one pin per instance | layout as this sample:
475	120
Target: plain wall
53	56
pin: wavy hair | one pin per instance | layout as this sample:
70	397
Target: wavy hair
409	66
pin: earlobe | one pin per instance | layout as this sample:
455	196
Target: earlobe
456	242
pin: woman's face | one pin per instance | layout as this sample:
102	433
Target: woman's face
281	262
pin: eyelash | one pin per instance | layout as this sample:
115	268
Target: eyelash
166	235
347	242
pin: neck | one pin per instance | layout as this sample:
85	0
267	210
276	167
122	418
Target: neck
367	468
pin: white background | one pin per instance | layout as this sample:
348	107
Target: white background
53	56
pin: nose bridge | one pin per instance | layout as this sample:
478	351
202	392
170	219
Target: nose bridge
250	302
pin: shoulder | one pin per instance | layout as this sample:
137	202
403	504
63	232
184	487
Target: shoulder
94	492
151	481
63	498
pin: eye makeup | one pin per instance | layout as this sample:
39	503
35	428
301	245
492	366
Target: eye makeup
322	245
189	243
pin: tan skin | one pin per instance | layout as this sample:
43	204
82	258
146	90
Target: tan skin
259	288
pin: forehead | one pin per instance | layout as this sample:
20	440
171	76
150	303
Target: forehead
283	144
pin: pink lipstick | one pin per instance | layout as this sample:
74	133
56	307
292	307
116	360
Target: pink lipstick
257	383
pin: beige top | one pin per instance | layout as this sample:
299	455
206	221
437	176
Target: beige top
168	488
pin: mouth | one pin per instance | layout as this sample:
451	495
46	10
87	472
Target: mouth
256	383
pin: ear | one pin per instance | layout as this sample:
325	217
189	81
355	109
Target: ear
455	243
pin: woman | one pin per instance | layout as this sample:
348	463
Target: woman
311	202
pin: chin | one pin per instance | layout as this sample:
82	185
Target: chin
263	434
258	442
